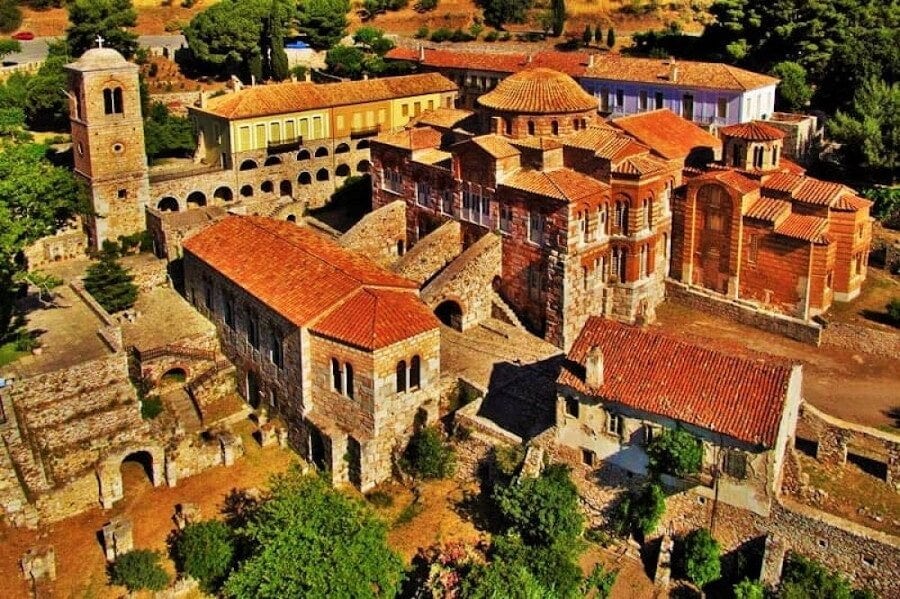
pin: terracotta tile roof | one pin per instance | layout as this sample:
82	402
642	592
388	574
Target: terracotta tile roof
539	91
707	75
667	133
851	203
432	156
561	184
414	138
281	98
733	178
375	318
807	228
495	145
768	209
537	143
661	374
447	118
639	166
784	182
571	63
606	142
813	191
307	278
754	131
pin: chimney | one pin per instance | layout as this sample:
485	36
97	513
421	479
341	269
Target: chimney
365	76
529	58
593	368
202	102
591	61
236	84
421	53
252	80
673	70
307	76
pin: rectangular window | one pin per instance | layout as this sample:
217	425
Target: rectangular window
275	132
404	109
244	142
261	135
422	193
430	104
304	127
417	108
649	433
620	98
505	218
588	457
276	351
122	193
229	313
735	464
290	130
643	100
381	116
317	131
722	108
536	222
658	100
339	122
614	424
447	202
208	295
392	181
533	272
604	100
572	407
753	249
252	330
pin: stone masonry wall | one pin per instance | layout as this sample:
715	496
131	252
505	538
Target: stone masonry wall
862	339
718	305
379	233
432	253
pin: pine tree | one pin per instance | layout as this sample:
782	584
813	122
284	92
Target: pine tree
111	285
611	38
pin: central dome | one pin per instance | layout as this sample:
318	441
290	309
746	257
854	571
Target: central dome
539	91
101	58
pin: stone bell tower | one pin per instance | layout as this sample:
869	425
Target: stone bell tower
108	142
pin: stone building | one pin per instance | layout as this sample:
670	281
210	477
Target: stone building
108	142
582	207
339	348
757	228
269	150
706	93
622	385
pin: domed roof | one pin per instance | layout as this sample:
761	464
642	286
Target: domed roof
101	58
752	132
539	91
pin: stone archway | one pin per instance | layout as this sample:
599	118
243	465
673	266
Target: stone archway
168	204
223	194
363	166
109	472
196	199
267	187
248	165
285	188
450	313
342	170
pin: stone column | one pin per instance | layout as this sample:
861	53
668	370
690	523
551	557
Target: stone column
171	471
117	538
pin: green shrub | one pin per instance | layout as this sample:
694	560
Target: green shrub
598	536
111	285
893	310
442	34
205	551
422	33
508	459
426	5
408	513
641	511
491	36
676	452
380	499
748	589
151	407
701	557
25	342
543	510
599	580
139	569
428	456
804	578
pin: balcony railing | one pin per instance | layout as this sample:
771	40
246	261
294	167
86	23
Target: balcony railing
285	145
366	131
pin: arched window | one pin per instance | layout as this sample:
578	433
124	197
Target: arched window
530	127
248	165
342	170
401	376
303	155
621	220
342	149
247	191
348	380
415	372
112	101
272	161
336	378
276	350
267	187
322	174
321	152
304	178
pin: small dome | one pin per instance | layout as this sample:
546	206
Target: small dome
539	91
752	132
101	58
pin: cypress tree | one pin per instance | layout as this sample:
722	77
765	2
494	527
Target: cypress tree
611	38
110	284
588	36
557	17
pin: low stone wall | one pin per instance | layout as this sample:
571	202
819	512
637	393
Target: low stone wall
110	331
66	245
178	102
80	379
862	339
743	312
836	438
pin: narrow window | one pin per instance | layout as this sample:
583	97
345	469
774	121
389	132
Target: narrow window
614	424
642	100
276	351
336	378
649	433
658	100
735	464
118	107
123	193
754	249
401	376
620	98
535	227
572	407
208	295
229	313
588	457
252	330
348	380
107	101
554	127
530	127
415	372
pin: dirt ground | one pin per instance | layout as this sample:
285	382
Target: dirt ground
862	388
79	554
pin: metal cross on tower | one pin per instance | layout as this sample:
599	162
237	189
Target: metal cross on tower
100	41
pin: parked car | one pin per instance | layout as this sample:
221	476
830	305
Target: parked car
23	36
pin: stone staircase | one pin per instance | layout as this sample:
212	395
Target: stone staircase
533	463
184	409
502	311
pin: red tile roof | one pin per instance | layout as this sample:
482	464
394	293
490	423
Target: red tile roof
768	209
310	280
707	75
740	182
447	118
807	228
282	98
667	133
606	142
571	63
754	131
561	184
661	374
495	145
639	166
414	138
539	91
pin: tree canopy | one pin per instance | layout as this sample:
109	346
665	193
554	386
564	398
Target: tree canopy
309	540
110	284
676	452
106	18
205	551
498	12
701	557
322	22
240	37
870	130
166	134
